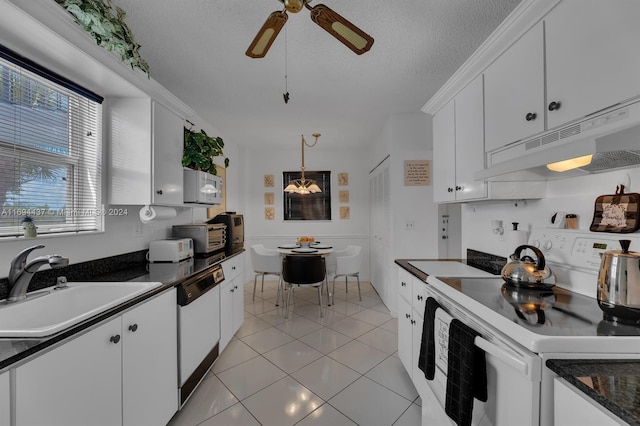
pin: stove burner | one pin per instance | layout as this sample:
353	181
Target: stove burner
528	304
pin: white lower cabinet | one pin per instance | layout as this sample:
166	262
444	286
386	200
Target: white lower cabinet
231	310
149	362
5	414
120	373
231	299
410	313
573	408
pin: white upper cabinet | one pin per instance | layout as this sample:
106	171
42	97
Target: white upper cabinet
514	92
458	147
592	56
147	141
444	154
470	141
577	61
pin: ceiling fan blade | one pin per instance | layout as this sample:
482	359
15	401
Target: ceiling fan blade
267	34
350	35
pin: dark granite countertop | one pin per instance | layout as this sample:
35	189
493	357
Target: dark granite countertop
614	384
15	350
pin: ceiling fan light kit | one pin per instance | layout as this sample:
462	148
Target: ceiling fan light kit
304	186
333	23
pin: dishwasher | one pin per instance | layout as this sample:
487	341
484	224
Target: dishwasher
198	328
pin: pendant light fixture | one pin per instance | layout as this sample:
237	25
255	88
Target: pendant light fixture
302	185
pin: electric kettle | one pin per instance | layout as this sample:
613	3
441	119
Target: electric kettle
526	272
619	284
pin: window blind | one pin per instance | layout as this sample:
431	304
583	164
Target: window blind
50	154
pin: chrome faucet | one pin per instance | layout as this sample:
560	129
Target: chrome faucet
21	273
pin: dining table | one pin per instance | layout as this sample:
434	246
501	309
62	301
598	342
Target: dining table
313	249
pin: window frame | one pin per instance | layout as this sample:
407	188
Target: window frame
323	178
80	155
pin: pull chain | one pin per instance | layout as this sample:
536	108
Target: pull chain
286	89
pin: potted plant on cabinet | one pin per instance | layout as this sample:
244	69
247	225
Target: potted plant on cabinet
200	176
199	150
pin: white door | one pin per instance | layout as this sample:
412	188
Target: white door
149	362
444	154
167	146
226	313
514	92
469	146
76	384
4	399
238	305
591	53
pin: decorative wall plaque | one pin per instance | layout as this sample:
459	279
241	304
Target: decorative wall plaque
343	196
344	213
269	198
269	213
343	179
417	172
268	181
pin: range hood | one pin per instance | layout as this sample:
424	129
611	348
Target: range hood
611	136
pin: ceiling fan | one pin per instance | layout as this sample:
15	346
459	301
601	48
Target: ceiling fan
347	33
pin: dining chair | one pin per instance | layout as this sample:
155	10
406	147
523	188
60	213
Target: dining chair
347	264
266	262
303	271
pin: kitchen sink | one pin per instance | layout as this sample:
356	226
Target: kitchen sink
47	312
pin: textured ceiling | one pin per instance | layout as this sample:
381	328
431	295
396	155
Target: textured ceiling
195	48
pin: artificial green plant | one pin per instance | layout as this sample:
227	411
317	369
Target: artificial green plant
199	150
108	28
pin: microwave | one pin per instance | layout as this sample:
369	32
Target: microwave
207	237
195	181
235	231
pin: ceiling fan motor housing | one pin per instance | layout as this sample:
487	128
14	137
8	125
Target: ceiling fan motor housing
294	6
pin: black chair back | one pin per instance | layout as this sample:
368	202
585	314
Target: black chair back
303	269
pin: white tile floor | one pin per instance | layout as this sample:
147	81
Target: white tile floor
342	369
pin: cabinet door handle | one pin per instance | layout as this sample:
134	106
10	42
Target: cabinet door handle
419	297
531	116
133	328
403	284
159	192
115	339
235	287
449	189
407	315
413	322
459	188
554	106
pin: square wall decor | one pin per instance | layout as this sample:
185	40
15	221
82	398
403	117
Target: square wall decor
268	181
344	213
343	196
343	179
269	198
269	213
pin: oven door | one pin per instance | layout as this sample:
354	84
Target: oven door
513	373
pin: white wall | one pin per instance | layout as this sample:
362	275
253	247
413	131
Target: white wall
574	195
69	51
410	139
337	232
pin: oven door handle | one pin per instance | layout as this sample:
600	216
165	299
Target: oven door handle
501	354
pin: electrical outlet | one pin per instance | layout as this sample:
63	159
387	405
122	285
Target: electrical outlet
410	225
